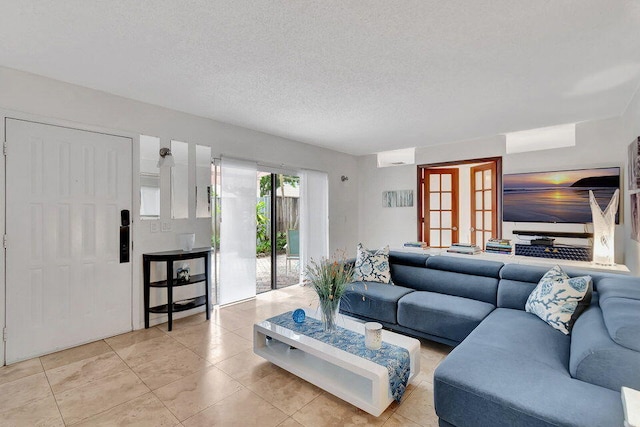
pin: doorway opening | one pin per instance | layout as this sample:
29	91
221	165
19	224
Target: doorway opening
459	202
277	231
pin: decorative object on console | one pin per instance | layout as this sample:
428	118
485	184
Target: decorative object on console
299	315
183	274
464	248
498	246
329	278
418	245
373	335
372	266
187	240
556	197
603	229
559	299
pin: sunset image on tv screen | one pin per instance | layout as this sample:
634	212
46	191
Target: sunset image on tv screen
558	196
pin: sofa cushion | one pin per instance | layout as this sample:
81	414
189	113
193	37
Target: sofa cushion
622	319
512	371
466	266
372	266
441	315
625	287
533	274
442	276
597	359
559	299
620	303
514	293
373	300
407	258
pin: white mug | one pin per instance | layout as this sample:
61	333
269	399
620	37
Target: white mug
373	335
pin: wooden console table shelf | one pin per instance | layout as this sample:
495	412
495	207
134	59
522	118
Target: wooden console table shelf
169	257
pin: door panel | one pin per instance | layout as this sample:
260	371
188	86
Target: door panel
483	203
440	210
65	283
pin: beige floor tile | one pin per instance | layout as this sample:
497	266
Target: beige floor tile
241	409
99	395
245	332
247	368
194	335
396	420
418	407
71	355
231	320
170	367
40	413
125	340
328	411
193	393
143	411
23	391
285	391
428	365
144	351
84	371
20	370
217	349
290	422
194	319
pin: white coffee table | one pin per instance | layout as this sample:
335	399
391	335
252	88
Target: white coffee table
362	383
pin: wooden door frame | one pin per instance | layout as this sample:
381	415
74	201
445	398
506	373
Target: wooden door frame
494	201
420	193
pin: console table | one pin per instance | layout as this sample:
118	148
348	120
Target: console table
169	257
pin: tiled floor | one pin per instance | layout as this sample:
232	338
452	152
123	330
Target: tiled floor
200	374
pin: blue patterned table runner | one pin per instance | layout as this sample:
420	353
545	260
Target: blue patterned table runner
395	359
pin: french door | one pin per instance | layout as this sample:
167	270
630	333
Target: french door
67	279
484	199
440	207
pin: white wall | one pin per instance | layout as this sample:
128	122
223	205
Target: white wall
48	100
599	143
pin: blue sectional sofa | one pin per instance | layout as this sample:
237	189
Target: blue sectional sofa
508	367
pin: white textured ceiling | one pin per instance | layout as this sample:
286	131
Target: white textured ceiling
358	76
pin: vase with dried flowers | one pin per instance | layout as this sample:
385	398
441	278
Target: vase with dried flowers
329	278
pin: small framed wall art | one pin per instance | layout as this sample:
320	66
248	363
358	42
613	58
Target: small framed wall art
397	199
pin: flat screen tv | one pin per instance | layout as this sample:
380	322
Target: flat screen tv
559	196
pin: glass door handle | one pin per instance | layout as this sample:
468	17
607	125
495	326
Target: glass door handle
454	228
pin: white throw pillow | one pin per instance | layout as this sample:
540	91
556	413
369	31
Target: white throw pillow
372	266
559	299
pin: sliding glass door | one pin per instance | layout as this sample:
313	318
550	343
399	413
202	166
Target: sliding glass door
277	231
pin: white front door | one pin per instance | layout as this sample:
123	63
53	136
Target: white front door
65	284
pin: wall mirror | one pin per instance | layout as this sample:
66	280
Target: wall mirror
180	180
149	177
203	181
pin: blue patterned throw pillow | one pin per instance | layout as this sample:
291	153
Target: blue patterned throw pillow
372	266
559	299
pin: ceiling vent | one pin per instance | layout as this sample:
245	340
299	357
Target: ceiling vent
406	156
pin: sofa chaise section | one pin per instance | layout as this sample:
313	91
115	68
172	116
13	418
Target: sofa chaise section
512	370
